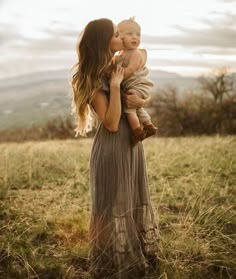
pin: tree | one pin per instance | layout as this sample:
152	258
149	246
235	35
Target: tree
220	84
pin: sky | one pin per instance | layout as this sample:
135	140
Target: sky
187	37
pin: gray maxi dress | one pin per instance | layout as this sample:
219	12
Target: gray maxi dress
123	229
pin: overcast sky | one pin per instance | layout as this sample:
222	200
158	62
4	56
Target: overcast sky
188	37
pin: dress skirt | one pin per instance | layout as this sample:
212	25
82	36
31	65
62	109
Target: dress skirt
123	230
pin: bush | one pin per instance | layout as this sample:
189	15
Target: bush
193	114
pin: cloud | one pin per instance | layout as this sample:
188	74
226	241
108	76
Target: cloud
56	46
225	20
216	51
59	29
9	33
227	1
55	50
53	43
220	38
218	34
205	63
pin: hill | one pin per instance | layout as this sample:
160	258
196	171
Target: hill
33	99
37	97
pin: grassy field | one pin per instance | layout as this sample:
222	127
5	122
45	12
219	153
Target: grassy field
45	206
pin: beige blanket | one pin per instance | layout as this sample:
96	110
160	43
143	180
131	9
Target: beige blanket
140	82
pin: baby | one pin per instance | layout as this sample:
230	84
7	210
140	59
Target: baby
133	59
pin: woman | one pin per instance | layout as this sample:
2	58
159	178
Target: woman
122	231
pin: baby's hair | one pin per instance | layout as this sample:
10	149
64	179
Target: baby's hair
124	23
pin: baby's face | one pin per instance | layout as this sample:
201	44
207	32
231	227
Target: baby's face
131	36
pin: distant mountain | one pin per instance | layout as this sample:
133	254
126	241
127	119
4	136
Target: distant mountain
33	78
37	97
163	79
158	77
33	99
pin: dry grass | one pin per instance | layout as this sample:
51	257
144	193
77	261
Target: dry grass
45	207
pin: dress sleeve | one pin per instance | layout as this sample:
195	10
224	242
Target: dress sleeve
106	87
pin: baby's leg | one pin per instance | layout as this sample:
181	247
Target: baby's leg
143	116
137	133
145	119
133	120
148	122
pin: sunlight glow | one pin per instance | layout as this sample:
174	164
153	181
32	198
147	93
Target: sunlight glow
45	22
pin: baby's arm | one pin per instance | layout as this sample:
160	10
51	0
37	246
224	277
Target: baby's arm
136	61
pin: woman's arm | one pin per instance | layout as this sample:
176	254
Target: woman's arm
110	111
132	99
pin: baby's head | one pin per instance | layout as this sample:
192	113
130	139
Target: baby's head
128	24
131	32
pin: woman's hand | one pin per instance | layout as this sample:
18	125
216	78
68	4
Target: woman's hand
116	77
131	99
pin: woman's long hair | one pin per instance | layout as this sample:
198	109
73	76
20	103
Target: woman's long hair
94	56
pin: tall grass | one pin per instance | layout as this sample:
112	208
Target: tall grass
45	207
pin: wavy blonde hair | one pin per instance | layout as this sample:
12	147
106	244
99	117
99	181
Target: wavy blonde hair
94	56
